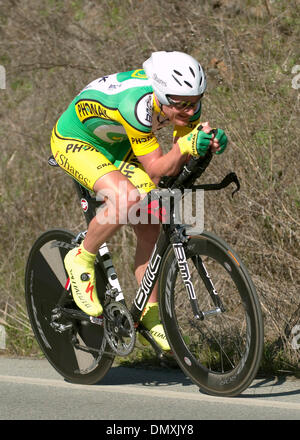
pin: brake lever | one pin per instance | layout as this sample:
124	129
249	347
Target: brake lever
228	179
235	180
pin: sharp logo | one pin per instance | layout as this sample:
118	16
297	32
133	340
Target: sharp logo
63	161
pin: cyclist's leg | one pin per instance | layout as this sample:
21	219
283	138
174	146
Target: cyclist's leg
119	195
146	231
100	229
147	234
93	170
146	238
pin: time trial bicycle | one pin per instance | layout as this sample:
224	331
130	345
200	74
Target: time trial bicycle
208	303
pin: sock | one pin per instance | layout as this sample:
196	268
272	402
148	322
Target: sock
84	255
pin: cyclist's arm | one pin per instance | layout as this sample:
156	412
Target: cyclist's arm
157	164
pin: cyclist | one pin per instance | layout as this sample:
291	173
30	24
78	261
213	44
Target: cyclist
106	141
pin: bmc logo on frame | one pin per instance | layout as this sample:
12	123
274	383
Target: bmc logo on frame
296	337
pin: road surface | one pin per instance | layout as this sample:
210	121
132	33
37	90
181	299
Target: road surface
33	390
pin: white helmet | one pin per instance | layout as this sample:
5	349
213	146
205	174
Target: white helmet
174	73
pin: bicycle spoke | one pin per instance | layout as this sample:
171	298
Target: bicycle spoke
222	351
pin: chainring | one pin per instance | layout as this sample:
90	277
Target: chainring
119	328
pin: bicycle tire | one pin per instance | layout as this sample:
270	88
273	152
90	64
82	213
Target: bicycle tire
45	279
220	354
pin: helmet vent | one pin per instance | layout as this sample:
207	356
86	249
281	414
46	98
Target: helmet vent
188	84
177	80
192	72
177	73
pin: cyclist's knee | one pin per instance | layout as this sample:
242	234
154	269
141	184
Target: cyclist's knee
125	202
147	232
117	203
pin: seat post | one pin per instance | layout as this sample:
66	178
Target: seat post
88	203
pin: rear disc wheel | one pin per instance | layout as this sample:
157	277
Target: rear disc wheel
80	352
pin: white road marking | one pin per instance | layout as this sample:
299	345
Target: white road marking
151	392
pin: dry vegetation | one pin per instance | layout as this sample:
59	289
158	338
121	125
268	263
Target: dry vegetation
51	49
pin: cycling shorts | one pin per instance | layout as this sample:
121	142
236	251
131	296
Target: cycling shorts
87	164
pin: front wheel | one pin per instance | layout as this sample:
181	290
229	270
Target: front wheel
76	348
222	352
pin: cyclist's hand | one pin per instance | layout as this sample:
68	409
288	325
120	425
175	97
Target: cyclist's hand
221	137
196	143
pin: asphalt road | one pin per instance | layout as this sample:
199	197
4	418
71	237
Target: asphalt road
33	390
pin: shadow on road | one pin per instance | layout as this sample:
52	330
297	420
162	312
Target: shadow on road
147	377
264	385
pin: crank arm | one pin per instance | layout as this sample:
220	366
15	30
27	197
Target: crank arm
147	335
74	313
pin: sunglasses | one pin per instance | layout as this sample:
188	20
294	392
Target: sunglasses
184	105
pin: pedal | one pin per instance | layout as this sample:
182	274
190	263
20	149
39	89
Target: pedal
112	293
74	313
61	328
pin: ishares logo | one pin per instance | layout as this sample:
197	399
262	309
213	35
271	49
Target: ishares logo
2	77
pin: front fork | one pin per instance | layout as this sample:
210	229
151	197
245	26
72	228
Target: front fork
179	251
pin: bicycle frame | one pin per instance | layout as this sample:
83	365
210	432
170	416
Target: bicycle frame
172	233
89	205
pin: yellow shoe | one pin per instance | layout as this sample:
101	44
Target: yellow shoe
150	319
79	264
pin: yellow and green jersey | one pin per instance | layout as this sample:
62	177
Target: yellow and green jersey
116	112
